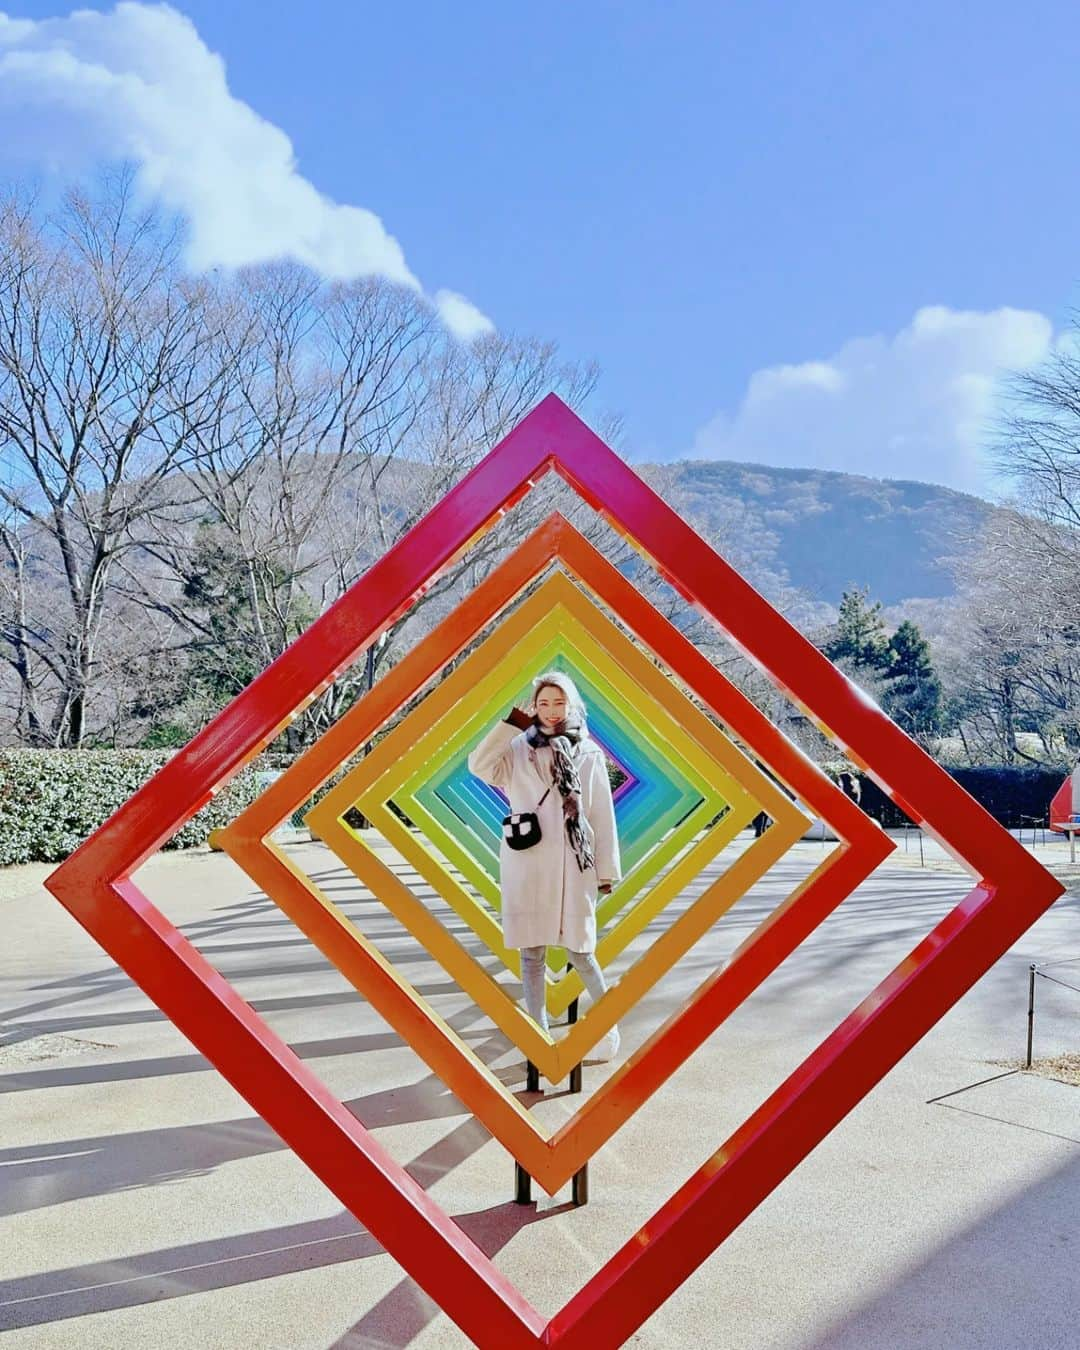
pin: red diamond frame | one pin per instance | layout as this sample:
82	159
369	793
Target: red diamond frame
1011	892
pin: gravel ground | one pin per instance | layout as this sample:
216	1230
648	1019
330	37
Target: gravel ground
1063	1068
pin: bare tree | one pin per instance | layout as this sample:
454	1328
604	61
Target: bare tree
1038	447
326	378
222	455
460	400
1010	654
1013	656
192	468
104	349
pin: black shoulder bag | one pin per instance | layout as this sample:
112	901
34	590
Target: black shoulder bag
521	830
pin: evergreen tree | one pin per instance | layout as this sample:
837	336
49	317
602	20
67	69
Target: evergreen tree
241	614
896	670
223	657
858	638
913	696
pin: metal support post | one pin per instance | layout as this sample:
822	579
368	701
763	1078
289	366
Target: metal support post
532	1077
522	1186
1031	1016
575	1073
580	1188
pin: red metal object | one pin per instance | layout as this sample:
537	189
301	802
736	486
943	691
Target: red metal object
1065	805
1011	891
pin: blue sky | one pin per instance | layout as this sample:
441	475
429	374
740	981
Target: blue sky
804	234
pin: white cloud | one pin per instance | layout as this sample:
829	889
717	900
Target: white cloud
139	84
916	405
461	316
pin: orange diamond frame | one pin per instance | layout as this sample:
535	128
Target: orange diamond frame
1009	893
551	1161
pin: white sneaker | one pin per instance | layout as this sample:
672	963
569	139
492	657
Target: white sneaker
607	1047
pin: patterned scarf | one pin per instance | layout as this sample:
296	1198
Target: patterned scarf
568	781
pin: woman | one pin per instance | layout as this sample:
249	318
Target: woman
545	762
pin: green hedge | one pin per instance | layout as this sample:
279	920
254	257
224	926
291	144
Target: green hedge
1014	794
50	800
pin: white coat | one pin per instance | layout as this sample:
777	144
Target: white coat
546	899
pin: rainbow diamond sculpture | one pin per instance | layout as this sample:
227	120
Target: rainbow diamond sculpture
1009	889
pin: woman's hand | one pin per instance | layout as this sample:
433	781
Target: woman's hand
519	719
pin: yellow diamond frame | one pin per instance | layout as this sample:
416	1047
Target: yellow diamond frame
586	657
521	636
398	756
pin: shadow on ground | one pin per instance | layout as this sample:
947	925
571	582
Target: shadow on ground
942	1302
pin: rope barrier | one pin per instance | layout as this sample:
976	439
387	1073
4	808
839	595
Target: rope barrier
1054	980
1065	961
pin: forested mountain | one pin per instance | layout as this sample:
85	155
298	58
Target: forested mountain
830	531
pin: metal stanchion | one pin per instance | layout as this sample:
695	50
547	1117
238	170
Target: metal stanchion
522	1180
1031	1016
580	1188
575	1073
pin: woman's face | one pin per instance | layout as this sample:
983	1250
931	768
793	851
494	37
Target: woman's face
550	705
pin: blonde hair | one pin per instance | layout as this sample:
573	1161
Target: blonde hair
561	681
